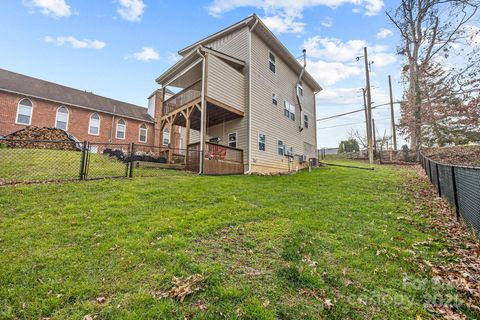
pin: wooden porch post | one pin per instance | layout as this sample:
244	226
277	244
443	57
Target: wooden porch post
187	132
171	139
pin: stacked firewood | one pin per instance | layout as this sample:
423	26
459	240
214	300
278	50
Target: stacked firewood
40	138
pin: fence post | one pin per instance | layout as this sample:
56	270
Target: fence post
132	156
438	181
82	161
455	193
430	170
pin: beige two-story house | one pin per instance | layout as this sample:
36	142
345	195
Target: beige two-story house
244	102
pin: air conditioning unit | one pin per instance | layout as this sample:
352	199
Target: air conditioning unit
303	158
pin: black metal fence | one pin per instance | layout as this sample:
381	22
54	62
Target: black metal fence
460	185
45	160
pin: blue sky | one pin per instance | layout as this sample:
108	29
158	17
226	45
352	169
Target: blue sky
117	48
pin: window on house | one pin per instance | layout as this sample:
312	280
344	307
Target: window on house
142	135
24	112
121	126
62	118
274	98
271	62
300	89
289	110
94	124
280	148
232	140
261	142
166	136
292	112
305	121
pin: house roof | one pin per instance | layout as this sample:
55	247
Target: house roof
41	89
263	31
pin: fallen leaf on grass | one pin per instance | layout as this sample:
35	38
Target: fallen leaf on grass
100	299
182	287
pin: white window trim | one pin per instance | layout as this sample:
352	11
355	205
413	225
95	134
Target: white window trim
300	86
270	61
166	136
124	130
236	139
265	142
283	148
275	97
68	117
90	124
140	133
18	109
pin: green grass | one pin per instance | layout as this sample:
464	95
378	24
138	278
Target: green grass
263	244
44	164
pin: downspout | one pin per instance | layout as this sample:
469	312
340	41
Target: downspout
203	114
296	88
250	98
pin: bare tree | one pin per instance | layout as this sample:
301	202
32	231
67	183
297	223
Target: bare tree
356	135
429	29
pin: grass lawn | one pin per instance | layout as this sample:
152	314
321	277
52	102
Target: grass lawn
45	164
335	243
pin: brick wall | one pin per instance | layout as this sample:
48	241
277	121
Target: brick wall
44	115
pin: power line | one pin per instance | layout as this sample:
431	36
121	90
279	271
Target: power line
348	124
355	111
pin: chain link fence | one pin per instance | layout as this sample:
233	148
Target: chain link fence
44	160
460	185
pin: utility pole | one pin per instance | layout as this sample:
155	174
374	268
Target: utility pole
369	104
374	135
367	119
394	133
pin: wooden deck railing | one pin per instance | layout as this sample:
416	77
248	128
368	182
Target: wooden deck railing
218	159
183	97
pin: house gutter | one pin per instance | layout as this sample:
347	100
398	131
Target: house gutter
296	88
250	98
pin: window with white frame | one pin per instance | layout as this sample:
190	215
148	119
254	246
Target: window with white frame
300	89
275	98
61	121
305	121
166	136
232	139
94	124
142	134
121	126
261	142
271	62
24	112
280	148
289	110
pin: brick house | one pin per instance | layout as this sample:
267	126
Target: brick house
27	101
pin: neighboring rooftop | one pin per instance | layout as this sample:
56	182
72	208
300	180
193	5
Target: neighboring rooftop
37	88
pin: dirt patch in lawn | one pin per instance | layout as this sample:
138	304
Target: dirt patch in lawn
461	155
461	260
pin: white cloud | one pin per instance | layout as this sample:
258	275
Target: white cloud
384	33
473	34
279	12
75	43
336	50
173	57
52	8
329	73
284	24
131	10
147	54
340	96
327	22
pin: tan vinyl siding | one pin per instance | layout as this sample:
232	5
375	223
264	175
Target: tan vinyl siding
268	118
225	84
235	44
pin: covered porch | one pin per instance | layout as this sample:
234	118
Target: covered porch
210	91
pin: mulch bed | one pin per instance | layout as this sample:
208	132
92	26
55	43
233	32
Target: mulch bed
461	155
462	271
